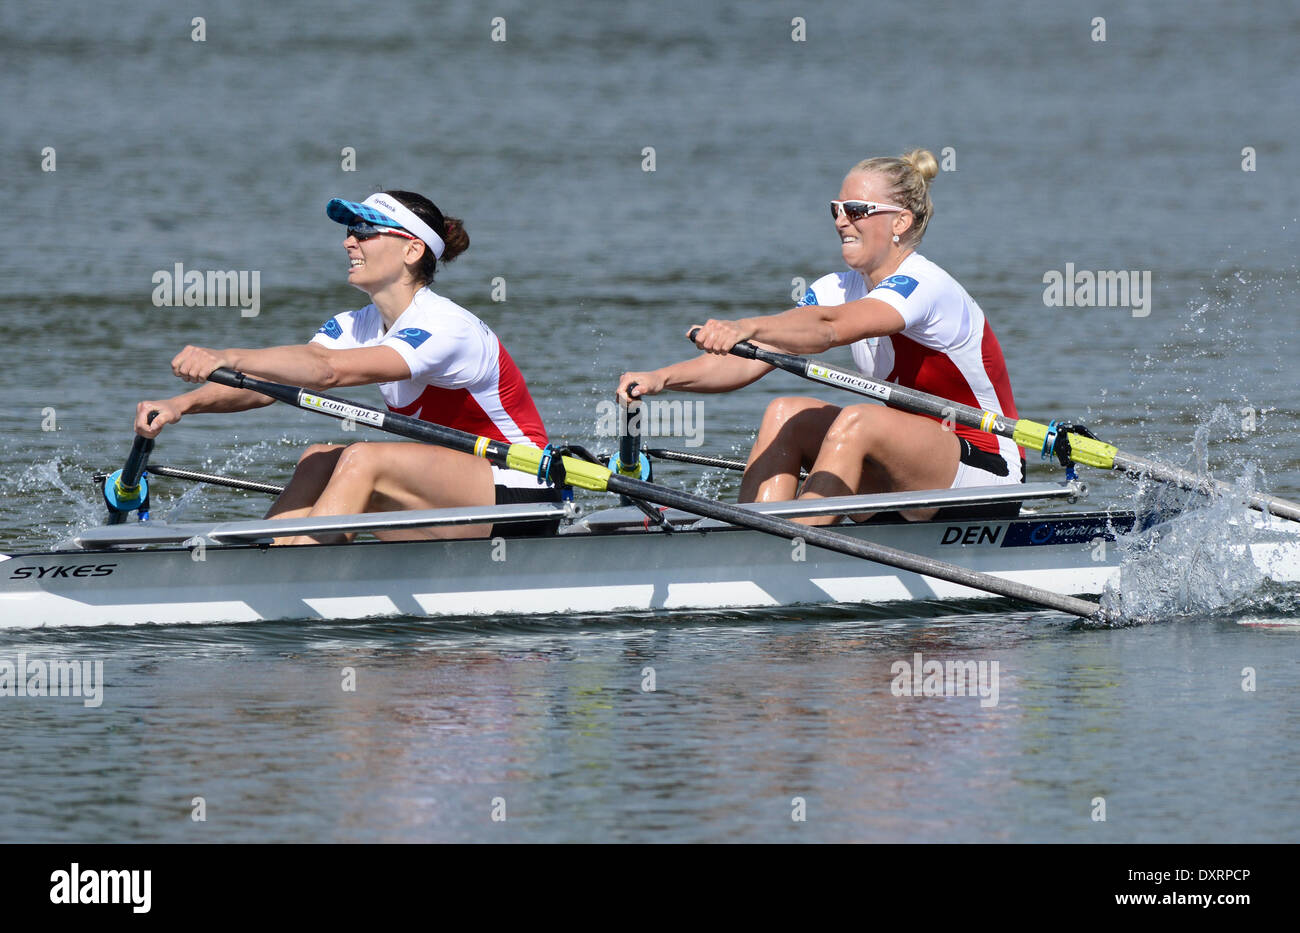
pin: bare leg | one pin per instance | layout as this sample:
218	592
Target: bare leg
870	448
788	439
315	467
310	477
381	477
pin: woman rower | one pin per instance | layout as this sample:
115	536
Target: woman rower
432	360
906	320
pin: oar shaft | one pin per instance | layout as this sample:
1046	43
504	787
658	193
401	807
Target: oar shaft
522	457
1185	479
527	459
1026	433
893	395
629	461
136	461
629	438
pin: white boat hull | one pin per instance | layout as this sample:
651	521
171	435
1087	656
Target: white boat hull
719	568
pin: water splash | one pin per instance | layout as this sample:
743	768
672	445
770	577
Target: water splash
1273	605
1219	333
69	503
233	465
719	483
75	507
1189	554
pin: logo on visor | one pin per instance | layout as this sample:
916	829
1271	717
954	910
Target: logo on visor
903	284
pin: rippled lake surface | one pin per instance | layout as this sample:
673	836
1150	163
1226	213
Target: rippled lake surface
1126	154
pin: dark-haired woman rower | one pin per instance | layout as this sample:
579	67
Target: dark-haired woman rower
432	360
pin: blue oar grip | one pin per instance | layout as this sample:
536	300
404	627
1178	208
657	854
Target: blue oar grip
640	469
125	499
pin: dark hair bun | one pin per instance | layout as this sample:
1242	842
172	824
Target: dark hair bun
455	240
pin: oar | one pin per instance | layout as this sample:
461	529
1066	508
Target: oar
594	476
1024	432
629	461
126	490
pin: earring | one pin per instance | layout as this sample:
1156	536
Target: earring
895	237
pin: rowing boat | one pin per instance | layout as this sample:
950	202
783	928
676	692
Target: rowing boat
605	561
692	553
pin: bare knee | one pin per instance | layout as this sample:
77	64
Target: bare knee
317	453
360	458
781	411
310	476
858	426
317	463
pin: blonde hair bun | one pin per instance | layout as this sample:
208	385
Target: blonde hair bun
924	162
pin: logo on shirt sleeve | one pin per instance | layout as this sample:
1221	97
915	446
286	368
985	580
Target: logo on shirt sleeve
331	329
412	335
809	298
903	284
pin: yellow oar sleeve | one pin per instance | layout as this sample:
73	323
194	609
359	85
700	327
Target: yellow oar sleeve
1094	453
528	459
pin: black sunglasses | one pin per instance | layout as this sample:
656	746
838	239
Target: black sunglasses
368	231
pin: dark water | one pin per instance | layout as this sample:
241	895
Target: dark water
1116	155
748	713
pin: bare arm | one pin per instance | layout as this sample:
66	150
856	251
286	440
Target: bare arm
706	373
208	398
810	329
310	365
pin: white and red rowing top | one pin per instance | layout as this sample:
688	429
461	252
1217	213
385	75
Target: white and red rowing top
946	347
461	374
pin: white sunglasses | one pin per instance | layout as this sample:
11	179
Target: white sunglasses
856	210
